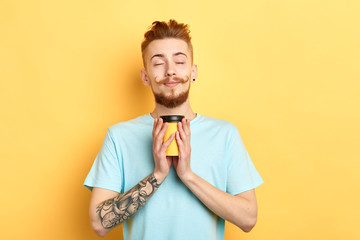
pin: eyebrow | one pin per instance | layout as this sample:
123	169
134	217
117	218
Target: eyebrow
162	55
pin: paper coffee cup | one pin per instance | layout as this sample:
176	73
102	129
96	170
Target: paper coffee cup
173	120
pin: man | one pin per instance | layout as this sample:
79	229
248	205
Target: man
158	197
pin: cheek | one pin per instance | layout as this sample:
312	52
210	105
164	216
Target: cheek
157	79
186	71
157	75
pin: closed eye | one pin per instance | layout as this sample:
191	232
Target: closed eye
180	63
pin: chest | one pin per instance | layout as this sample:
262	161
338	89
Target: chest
208	158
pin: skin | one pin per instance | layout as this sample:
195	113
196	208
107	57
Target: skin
172	58
169	58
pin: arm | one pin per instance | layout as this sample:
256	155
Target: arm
119	207
240	209
109	209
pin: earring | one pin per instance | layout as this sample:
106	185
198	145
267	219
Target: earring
193	80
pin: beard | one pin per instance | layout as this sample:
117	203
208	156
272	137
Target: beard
172	101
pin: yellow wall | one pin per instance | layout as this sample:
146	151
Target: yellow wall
285	72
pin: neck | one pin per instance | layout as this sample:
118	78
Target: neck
184	109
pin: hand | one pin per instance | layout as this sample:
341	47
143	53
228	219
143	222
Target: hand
182	162
162	163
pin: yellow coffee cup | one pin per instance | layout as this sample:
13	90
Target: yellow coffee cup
173	120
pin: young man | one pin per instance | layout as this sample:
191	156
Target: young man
158	197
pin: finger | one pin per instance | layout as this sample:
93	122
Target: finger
167	142
158	126
159	138
175	161
180	145
155	124
181	130
179	141
163	130
186	127
169	160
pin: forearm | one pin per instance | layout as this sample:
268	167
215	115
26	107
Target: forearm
238	210
115	211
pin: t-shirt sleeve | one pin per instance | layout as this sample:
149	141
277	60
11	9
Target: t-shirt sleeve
242	174
106	170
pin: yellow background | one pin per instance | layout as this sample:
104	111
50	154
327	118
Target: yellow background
286	73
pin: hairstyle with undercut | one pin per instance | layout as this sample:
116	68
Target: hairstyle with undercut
162	30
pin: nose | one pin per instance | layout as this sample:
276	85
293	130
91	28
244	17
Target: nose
170	71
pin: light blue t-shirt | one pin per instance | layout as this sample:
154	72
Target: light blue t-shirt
218	155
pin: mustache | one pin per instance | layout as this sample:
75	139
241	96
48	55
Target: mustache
178	79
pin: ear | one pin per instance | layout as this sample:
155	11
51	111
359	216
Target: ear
194	72
144	77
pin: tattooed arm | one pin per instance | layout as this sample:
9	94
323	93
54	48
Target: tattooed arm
115	210
109	209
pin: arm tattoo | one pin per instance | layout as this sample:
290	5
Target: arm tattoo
116	210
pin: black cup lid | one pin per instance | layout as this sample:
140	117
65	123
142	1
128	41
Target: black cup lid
172	118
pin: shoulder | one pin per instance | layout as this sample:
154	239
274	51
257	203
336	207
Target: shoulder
135	124
215	128
216	123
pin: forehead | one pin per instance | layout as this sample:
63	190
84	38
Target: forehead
166	47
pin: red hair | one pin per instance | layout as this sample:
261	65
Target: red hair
162	30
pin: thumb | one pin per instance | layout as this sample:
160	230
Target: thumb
175	161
